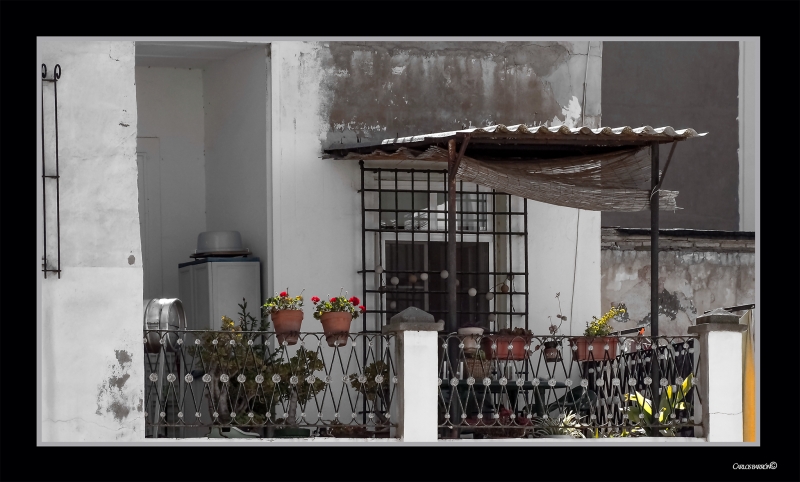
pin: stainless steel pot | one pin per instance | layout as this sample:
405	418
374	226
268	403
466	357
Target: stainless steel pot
167	315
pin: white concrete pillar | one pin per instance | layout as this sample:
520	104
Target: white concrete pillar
416	354
720	380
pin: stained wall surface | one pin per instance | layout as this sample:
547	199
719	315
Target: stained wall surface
695	274
91	379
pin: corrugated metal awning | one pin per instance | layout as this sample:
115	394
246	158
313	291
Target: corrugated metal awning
603	169
522	134
559	133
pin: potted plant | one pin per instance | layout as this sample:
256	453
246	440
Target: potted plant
509	344
219	349
335	315
596	340
470	332
477	365
287	316
296	384
568	427
373	383
641	410
551	351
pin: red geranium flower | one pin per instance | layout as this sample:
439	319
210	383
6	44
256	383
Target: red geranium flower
333	300
354	300
315	299
362	308
284	294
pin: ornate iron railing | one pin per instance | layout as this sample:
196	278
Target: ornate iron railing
520	386
200	380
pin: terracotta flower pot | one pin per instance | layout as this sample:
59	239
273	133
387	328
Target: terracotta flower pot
598	344
287	325
503	341
336	326
470	338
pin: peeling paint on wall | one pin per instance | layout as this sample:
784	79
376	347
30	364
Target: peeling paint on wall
689	283
420	87
110	396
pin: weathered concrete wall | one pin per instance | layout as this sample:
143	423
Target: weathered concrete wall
331	92
378	90
90	347
696	274
236	141
681	84
170	107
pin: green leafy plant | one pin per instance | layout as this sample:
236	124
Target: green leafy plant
219	355
374	389
569	425
601	326
282	301
242	358
641	412
562	318
303	365
337	304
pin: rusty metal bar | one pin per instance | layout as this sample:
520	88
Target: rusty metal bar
666	165
452	315
655	182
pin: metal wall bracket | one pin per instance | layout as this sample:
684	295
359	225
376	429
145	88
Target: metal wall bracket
45	177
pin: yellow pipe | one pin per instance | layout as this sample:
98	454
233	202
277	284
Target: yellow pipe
749	373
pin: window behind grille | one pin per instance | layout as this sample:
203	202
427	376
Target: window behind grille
404	234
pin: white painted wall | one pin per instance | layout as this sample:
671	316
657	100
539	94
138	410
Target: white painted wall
170	108
563	251
749	129
237	137
316	209
90	346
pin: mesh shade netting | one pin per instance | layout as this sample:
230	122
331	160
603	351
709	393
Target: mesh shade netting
615	181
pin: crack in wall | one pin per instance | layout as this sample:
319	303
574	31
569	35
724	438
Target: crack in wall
88	421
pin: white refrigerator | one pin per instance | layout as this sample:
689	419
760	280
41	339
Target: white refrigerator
212	287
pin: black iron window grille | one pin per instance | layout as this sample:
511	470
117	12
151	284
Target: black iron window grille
404	246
